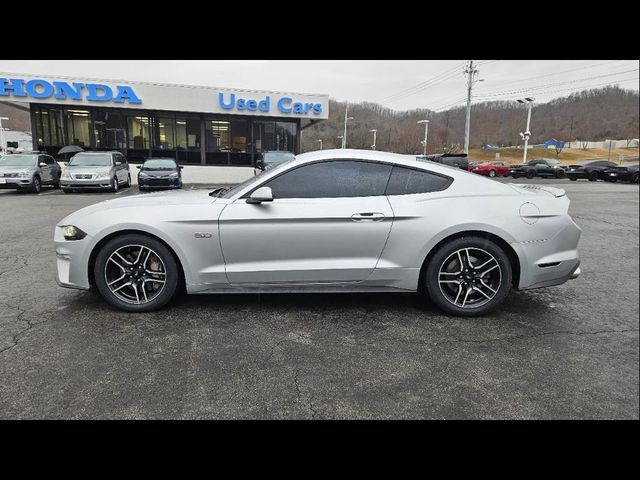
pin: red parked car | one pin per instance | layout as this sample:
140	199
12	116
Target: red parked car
492	169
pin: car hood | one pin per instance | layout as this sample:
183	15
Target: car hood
10	169
151	200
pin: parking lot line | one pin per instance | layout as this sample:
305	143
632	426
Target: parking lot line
123	190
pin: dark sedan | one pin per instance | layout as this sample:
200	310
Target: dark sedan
159	173
539	168
626	173
591	170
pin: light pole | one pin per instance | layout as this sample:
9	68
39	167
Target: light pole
527	134
320	140
3	145
426	130
373	147
346	119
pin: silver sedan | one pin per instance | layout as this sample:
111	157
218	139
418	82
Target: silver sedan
327	221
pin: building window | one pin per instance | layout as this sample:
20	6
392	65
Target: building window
108	130
286	136
138	129
188	139
264	135
240	143
78	127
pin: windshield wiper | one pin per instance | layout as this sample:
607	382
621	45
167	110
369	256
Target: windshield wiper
218	192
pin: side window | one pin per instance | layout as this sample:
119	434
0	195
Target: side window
404	181
49	160
332	179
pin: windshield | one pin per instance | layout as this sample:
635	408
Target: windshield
160	164
16	160
228	193
553	162
81	160
275	158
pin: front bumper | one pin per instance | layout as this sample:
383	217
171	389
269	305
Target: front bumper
14	183
159	183
94	184
72	258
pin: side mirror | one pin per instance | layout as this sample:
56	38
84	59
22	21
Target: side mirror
42	164
138	167
263	194
180	167
260	164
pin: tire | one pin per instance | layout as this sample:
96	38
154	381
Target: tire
498	277
56	185
492	173
515	175
114	184
530	174
573	179
128	184
37	185
141	189
613	179
67	190
558	175
634	179
593	176
147	283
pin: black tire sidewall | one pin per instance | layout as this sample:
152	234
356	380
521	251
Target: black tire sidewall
38	182
171	266
114	184
530	175
431	275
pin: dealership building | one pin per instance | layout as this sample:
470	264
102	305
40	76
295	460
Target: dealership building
196	125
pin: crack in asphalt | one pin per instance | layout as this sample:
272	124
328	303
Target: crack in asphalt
30	324
309	402
13	269
596	219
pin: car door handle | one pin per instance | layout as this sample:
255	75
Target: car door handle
367	217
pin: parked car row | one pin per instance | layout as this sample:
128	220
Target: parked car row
102	171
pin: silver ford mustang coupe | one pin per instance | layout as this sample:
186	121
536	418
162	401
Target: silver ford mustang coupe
327	221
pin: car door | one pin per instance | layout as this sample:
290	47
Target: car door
542	168
121	167
56	170
328	223
45	169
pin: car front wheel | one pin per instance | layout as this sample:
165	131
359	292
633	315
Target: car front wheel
492	173
114	184
530	174
593	176
468	276
136	273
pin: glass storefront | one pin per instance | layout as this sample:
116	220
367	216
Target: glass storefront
189	138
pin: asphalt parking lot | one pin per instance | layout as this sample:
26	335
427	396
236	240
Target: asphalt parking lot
563	352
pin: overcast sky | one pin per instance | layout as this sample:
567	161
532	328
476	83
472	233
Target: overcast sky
398	84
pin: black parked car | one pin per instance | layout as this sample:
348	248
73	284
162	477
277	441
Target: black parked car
539	168
157	173
591	170
626	173
270	160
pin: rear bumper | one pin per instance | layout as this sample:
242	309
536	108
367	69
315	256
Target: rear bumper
552	261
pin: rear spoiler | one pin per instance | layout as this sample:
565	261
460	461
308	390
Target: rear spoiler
527	188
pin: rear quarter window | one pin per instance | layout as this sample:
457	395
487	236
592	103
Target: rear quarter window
405	181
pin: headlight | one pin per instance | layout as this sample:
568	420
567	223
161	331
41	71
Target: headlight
103	174
143	175
66	174
24	174
72	233
174	174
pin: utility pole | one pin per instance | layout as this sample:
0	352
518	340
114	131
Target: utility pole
3	145
373	147
571	133
610	142
426	130
346	119
472	72
527	134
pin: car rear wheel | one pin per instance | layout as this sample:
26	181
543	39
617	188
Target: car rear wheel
573	179
635	178
37	185
593	176
136	273
492	173
469	276
530	174
128	184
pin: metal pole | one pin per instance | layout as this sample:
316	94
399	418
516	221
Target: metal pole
526	137
344	135
373	147
426	131
3	145
609	159
320	140
470	71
